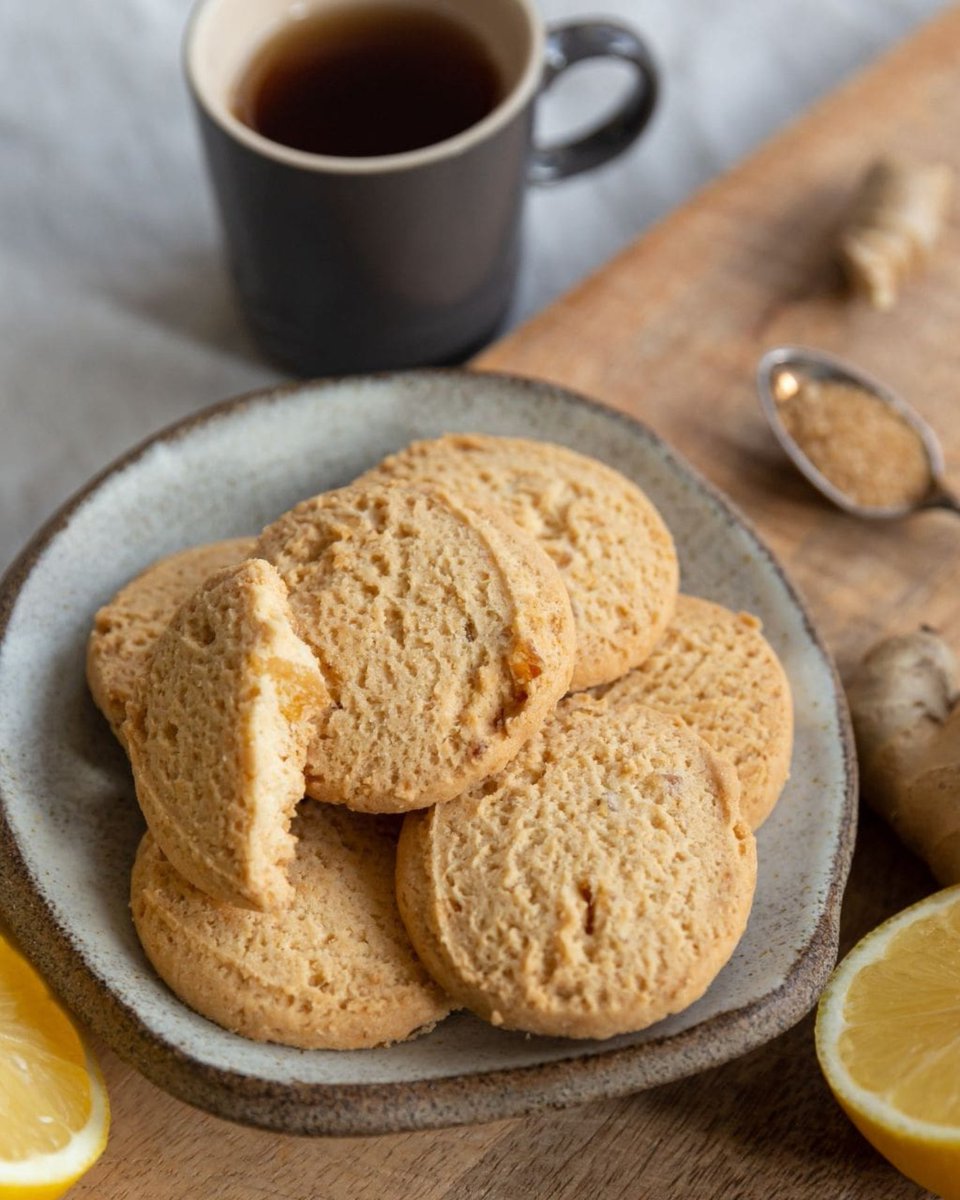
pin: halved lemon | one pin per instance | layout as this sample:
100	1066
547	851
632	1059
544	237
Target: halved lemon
888	1040
54	1114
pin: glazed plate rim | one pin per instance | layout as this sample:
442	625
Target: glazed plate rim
343	1109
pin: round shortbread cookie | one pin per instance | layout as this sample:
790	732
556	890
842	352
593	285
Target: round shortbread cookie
334	969
716	671
610	544
125	629
595	885
444	634
218	733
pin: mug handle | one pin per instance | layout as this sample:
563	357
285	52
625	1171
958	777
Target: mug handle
572	43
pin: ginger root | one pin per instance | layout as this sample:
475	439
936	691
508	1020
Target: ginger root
892	226
903	700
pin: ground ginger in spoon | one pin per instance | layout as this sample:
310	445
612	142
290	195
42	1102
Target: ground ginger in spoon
856	441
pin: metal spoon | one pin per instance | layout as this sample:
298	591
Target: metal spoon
778	374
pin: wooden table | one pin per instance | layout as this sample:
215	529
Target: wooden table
670	332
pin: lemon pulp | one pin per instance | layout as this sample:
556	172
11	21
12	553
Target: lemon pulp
888	1040
53	1111
902	1016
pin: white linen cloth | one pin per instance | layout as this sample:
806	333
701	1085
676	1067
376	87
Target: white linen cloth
116	313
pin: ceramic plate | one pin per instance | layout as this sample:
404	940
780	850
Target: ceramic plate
69	824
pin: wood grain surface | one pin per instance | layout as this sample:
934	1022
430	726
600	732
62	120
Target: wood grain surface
670	332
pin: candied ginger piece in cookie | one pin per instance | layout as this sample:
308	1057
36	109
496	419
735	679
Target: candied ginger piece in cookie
444	634
334	969
125	628
595	885
614	553
218	736
716	671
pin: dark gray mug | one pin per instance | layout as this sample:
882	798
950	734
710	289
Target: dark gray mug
348	264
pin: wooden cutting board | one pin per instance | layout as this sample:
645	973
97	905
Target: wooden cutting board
670	332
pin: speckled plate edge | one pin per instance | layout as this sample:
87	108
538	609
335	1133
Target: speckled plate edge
351	1109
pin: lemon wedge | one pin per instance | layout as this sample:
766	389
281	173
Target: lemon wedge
54	1114
888	1040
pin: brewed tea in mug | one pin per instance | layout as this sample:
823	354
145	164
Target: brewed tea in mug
363	82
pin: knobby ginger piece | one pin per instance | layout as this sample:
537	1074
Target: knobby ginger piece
893	225
903	700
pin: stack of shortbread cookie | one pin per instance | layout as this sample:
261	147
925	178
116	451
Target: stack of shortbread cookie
483	634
